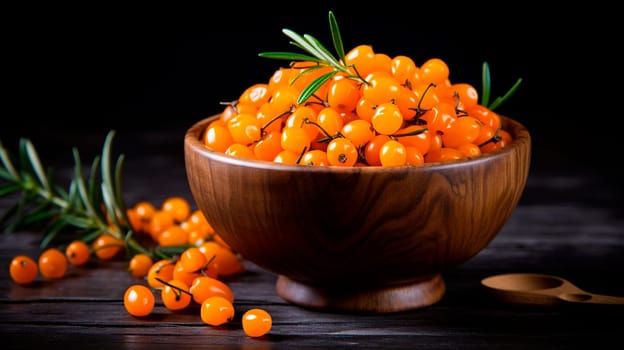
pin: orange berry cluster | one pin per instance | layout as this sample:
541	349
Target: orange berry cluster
195	275
401	114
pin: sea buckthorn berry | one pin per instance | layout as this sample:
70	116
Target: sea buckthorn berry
314	157
469	150
485	115
204	287
52	263
245	128
239	150
343	95
342	152
382	63
358	131
371	152
216	311
23	269
381	88
503	139
173	236
434	70
139	300
407	101
144	209
387	119
175	295
392	153
405	71
361	60
180	274
427	97
330	120
228	263
295	139
413	156
255	95
256	322
77	253
161	269
217	138
415	136
198	219
107	246
439	117
443	154
270	118
161	220
139	265
179	207
192	259
286	157
304	117
284	98
467	94
365	109
269	146
462	130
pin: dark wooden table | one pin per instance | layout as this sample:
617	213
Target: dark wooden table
569	222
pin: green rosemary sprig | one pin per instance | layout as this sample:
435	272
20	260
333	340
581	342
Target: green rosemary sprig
87	205
487	86
317	52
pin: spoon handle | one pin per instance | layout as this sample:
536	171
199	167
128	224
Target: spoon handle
590	298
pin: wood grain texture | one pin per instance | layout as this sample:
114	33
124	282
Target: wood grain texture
359	228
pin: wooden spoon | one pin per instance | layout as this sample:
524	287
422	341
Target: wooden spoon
533	288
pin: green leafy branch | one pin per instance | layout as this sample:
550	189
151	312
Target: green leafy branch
487	87
316	52
88	205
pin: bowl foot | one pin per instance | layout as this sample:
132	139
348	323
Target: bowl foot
387	299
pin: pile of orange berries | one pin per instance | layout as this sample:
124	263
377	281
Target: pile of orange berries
403	114
196	274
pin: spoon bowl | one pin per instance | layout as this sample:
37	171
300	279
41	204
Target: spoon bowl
535	288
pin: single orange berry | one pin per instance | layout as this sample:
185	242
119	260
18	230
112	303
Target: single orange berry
139	300
217	311
52	263
23	269
140	265
107	246
77	253
257	322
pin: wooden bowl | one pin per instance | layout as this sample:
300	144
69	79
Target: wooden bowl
361	239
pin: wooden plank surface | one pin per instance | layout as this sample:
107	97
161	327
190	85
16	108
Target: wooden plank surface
569	224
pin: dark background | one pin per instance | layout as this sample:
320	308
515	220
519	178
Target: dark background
84	71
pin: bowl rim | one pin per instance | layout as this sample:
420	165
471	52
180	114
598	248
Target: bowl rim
522	139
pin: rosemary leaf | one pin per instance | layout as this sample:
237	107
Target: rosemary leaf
302	43
82	188
289	56
486	82
118	190
94	189
78	221
314	85
500	100
8	165
336	37
36	165
323	51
